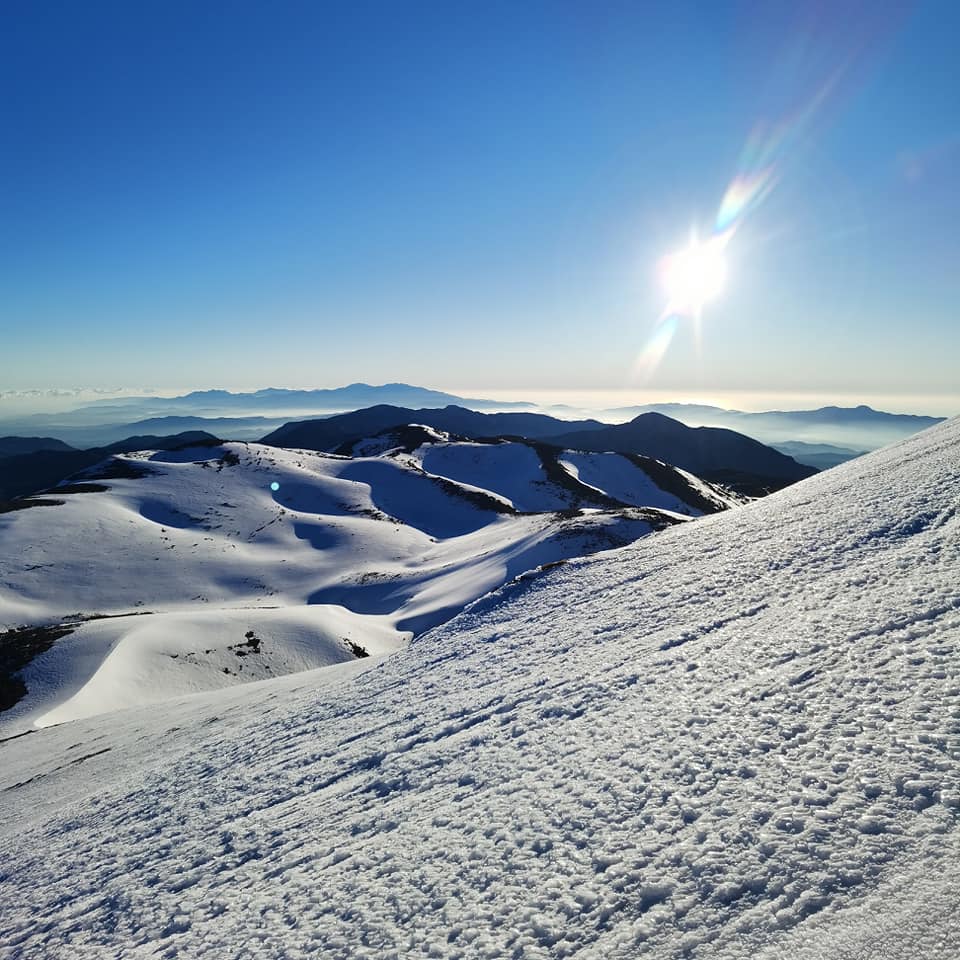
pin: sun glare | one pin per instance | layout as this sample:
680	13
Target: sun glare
695	275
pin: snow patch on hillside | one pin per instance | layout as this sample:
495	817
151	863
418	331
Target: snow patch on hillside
614	475
512	470
121	662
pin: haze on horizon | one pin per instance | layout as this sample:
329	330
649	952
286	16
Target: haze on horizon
478	200
24	403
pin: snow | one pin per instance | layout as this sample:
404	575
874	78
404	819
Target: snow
188	558
512	470
414	499
614	475
129	661
515	472
736	738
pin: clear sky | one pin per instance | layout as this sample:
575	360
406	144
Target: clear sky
477	195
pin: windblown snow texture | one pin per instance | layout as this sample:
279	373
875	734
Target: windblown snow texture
737	738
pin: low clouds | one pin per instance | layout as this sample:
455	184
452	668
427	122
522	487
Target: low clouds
51	399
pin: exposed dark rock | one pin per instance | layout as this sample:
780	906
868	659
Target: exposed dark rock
17	648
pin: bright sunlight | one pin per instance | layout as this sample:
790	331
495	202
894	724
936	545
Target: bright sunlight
695	275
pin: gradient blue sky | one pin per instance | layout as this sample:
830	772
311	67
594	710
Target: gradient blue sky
475	196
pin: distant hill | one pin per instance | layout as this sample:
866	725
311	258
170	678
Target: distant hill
859	428
32	472
534	475
823	456
718	455
17	446
331	432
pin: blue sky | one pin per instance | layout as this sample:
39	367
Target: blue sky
476	196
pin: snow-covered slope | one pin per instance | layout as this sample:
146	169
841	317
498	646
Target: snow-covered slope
535	477
623	478
737	739
512	470
208	576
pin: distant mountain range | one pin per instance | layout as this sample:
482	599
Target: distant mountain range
272	402
717	454
239	416
823	456
15	446
859	428
247	416
329	432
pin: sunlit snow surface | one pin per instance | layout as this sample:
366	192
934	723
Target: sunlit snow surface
167	576
737	738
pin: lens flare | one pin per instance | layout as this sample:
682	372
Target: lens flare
657	346
697	274
764	154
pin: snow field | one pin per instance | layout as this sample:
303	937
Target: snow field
123	662
738	738
614	475
187	559
512	470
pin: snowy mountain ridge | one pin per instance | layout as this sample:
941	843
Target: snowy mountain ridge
169	572
720	455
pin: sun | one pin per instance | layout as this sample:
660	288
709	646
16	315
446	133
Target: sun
695	275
